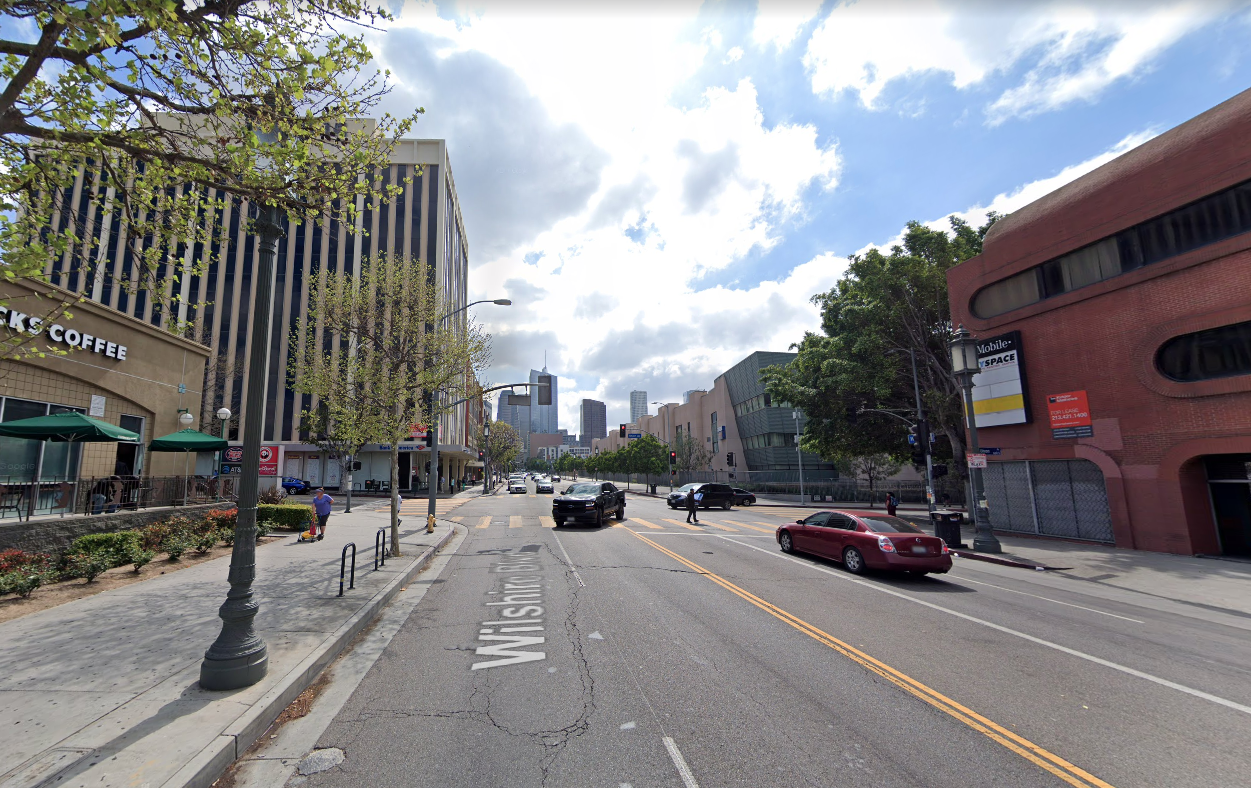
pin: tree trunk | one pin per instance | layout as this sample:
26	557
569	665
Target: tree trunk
395	500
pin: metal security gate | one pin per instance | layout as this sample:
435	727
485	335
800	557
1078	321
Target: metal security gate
1065	498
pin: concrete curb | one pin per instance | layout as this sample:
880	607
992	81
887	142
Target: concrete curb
990	559
212	761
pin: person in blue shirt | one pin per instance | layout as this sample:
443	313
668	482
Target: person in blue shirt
321	505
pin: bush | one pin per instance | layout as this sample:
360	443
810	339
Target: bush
115	548
88	565
289	517
274	495
140	557
223	519
206	541
177	543
15	560
264	528
19	582
153	535
227	535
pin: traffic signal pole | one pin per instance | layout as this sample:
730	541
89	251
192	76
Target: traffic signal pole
925	427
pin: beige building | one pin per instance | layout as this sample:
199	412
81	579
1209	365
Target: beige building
103	363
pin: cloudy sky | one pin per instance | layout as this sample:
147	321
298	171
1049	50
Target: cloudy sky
661	187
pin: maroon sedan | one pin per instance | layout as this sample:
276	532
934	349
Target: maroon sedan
866	540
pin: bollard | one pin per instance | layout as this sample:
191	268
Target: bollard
343	567
380	548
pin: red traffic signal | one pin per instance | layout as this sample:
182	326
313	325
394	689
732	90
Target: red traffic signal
623	430
673	457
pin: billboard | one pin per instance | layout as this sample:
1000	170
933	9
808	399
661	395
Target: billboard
232	460
999	394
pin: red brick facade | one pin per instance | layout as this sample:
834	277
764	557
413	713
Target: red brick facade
1150	432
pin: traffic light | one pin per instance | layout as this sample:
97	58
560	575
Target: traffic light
916	440
729	458
545	389
430	436
673	458
356	466
622	430
481	455
427	466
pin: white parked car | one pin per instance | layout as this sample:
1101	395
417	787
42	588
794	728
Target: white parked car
516	486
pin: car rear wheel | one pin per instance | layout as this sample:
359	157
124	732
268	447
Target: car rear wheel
559	521
725	505
784	540
853	560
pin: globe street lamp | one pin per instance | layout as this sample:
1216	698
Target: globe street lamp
239	657
963	346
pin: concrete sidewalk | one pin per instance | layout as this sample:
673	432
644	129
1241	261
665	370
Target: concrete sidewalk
104	691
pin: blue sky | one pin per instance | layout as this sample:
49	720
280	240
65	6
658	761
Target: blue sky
662	187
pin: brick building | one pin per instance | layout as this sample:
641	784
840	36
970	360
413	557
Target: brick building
1130	289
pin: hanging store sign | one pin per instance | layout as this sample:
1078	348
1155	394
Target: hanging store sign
1070	415
59	334
232	460
999	388
269	461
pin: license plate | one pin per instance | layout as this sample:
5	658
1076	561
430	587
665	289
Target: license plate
920	549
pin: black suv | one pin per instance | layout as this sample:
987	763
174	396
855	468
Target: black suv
713	494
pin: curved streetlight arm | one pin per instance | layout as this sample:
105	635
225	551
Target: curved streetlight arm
498	301
888	413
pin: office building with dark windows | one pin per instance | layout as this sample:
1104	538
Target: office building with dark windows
424	221
594	421
1125	297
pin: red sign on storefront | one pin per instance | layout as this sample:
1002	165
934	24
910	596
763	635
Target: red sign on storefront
269	461
1070	415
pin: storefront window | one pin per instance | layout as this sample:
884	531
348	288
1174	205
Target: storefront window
19	458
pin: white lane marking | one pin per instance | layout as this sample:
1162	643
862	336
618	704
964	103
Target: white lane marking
684	771
627	726
1047	599
568	560
1065	649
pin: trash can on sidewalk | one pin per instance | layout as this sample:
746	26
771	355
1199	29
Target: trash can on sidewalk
947	526
653	489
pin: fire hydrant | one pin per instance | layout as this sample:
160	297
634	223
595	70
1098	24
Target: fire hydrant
430	523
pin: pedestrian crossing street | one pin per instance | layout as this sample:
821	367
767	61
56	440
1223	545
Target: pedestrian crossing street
659	524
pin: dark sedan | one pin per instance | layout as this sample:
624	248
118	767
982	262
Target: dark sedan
863	540
592	501
710	494
743	498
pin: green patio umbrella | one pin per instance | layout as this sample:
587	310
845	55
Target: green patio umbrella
64	427
187	441
67	427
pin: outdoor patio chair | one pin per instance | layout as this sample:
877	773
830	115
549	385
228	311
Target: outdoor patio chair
11	498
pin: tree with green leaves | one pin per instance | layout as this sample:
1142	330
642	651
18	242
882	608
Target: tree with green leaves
399	357
339	429
886	305
164	112
502	446
648	456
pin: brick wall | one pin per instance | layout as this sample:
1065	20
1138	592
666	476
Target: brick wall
52	535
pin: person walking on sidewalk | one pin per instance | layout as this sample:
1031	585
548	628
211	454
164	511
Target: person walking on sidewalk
891	504
321	505
691	503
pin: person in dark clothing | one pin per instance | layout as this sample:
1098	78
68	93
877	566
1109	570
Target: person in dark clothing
690	506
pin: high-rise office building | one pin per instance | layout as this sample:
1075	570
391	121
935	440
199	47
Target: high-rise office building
594	421
423	221
544	419
515	416
638	406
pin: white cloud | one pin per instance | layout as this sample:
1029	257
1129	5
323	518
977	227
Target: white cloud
734	55
1072	52
779	22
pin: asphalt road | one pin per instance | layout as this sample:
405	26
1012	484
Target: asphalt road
652	654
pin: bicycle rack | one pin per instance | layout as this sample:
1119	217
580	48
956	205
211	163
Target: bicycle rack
343	567
380	548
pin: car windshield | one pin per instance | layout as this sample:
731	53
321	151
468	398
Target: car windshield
583	489
687	487
885	525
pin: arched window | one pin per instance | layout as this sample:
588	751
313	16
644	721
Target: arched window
1212	353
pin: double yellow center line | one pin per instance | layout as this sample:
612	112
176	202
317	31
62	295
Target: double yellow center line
1069	773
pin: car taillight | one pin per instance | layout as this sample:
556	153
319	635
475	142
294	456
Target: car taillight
887	545
945	550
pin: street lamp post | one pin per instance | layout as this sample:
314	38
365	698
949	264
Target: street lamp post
435	397
239	657
964	364
799	453
223	416
486	457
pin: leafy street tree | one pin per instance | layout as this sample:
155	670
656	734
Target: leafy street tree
884	306
692	455
647	456
395	349
502	446
338	429
166	112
